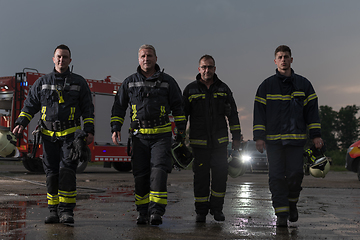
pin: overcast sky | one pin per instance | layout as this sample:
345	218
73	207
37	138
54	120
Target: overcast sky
104	37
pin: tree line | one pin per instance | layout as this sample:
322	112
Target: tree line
339	129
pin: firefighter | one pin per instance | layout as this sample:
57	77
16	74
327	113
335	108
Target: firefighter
208	101
62	97
151	95
285	106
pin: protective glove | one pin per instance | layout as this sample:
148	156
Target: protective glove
78	147
180	136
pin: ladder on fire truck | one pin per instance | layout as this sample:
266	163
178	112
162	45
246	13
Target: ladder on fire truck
19	94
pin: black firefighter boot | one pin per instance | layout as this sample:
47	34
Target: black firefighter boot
67	217
53	217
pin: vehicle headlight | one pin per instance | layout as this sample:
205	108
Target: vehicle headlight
246	158
349	149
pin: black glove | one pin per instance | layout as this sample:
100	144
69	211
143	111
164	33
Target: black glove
180	136
78	147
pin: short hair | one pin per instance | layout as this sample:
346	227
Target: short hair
147	46
63	47
207	56
282	48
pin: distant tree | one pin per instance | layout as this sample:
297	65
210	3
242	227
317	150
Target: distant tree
347	126
328	118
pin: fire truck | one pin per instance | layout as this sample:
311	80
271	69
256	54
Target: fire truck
13	91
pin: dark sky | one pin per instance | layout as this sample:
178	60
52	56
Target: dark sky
104	37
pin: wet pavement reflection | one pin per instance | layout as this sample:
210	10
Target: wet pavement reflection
109	213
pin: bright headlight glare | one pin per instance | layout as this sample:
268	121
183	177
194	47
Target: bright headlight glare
246	158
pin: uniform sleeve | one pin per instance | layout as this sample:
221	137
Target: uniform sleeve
119	107
87	107
259	119
177	105
187	105
311	112
32	105
234	122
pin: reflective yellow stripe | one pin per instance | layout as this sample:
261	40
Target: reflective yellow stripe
259	127
179	118
61	99
282	209
67	197
60	134
219	94
217	194
88	120
72	113
141	200
309	98
24	114
202	199
117	119
223	139
43	111
314	126
158	197
278	97
260	100
53	199
133	117
162	111
293	200
286	137
198	142
235	127
156	130
194	96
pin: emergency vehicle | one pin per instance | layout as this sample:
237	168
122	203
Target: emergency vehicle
13	91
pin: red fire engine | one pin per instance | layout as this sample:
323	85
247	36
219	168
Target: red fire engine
13	91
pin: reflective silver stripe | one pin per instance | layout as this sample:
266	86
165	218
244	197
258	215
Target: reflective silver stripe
54	87
47	86
147	84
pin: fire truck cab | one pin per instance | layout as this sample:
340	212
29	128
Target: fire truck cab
13	91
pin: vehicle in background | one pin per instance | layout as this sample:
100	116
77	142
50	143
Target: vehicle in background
353	158
255	160
13	91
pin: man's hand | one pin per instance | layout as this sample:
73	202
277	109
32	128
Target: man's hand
260	145
318	142
18	130
89	139
116	137
235	144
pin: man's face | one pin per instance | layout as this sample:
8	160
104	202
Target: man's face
61	60
207	69
283	61
147	60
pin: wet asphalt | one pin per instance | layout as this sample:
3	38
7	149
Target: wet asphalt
329	208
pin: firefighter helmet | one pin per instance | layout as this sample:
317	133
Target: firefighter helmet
320	167
236	166
317	165
181	154
7	143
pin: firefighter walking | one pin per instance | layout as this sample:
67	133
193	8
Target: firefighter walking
151	95
208	101
285	106
62	97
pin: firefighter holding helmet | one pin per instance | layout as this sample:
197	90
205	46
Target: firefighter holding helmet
62	97
208	102
151	95
286	105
